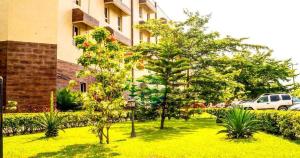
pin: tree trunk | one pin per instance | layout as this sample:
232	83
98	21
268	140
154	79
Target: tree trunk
101	136
163	116
107	135
132	125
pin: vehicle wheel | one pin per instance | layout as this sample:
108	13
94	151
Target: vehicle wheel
249	108
283	108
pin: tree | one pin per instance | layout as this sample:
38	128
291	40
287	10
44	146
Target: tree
166	63
205	80
103	60
260	73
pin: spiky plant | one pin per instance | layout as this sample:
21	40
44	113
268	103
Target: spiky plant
240	123
51	121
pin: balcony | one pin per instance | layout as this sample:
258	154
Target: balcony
119	36
148	5
119	5
143	30
82	18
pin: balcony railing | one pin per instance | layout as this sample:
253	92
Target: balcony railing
118	4
119	36
80	17
143	22
148	5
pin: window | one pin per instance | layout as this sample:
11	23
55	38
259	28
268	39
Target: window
76	32
148	39
263	100
83	87
274	98
78	2
286	97
106	13
141	38
141	12
120	23
148	16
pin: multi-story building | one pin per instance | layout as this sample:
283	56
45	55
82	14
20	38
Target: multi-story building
37	52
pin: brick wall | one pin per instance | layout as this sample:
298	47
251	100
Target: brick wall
3	53
29	70
67	71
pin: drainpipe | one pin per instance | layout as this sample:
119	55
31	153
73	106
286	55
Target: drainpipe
132	20
155	3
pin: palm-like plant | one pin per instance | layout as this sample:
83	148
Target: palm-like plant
51	121
240	123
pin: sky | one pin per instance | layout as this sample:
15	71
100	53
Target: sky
274	23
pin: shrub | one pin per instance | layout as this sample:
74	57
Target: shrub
68	100
51	121
240	123
285	123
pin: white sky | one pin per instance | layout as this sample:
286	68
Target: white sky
275	23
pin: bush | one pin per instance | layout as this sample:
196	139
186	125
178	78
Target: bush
285	123
51	121
68	100
240	123
18	124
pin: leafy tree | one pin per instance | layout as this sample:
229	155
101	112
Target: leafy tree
166	63
103	59
205	80
260	73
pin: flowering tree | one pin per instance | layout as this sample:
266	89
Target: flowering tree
103	60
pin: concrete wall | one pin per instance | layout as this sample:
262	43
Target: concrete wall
29	20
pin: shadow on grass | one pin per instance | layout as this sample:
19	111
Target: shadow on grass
174	129
81	150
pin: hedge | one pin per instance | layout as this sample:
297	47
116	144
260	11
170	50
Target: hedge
285	123
16	124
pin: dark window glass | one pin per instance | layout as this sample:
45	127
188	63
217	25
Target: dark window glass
274	98
75	31
263	100
78	2
83	87
141	12
120	23
148	16
106	13
141	37
286	97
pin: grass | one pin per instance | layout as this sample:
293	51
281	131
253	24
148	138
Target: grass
196	138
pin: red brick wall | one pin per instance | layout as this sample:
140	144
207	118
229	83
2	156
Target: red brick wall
67	71
3	53
29	70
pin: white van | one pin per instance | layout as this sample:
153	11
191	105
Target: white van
270	101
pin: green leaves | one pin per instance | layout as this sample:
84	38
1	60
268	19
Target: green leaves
103	59
240	123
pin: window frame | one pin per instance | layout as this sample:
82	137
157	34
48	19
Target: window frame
78	2
141	12
141	37
83	87
106	15
278	97
263	97
120	23
286	95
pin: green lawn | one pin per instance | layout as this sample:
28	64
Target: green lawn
196	138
